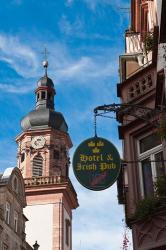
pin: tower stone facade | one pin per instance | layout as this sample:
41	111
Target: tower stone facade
43	158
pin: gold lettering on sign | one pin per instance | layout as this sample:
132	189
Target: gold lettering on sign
109	157
85	158
106	166
91	144
100	144
87	167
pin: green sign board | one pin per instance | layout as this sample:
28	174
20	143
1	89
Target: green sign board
96	163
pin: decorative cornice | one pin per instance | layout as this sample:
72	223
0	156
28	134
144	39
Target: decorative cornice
45	185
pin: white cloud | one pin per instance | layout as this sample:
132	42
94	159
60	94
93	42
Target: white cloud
20	57
17	89
87	68
77	29
71	28
98	239
64	67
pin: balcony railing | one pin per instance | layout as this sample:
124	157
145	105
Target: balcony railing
44	180
138	54
133	43
138	85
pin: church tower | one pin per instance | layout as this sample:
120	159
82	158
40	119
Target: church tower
43	158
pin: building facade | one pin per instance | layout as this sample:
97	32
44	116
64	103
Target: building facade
142	87
12	219
43	158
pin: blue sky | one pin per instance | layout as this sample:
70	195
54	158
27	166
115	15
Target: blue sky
84	39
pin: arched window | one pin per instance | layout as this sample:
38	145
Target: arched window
37	166
22	157
43	95
15	184
7	213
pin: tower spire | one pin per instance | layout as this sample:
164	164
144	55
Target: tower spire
45	62
45	65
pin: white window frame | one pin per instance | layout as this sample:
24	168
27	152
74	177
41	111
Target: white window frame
142	156
7	212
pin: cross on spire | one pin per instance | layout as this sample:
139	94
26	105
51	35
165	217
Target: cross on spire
45	53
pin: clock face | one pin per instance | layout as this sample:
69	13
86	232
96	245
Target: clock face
38	142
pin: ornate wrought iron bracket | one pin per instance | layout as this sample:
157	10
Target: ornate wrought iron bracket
146	114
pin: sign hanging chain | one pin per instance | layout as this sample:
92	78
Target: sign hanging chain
95	125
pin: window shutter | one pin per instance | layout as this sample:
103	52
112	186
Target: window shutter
37	166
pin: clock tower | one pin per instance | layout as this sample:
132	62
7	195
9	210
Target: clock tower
43	158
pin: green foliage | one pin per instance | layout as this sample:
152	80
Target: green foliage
148	42
160	186
164	56
146	208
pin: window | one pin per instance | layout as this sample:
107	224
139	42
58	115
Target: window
149	142
163	24
7	213
151	163
22	157
56	154
15	221
43	95
67	227
15	184
37	166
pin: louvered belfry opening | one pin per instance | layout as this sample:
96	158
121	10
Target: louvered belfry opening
37	166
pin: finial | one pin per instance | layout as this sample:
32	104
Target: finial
36	246
45	62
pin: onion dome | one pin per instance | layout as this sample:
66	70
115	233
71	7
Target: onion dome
43	118
45	81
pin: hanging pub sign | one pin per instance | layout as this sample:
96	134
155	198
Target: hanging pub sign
96	163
